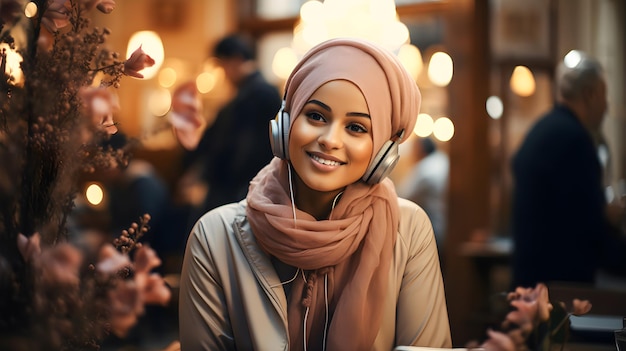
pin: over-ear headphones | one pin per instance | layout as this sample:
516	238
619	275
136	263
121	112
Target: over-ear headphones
384	161
382	164
279	133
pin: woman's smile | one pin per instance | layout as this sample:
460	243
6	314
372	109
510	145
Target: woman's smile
325	162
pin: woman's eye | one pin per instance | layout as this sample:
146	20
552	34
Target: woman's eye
315	116
357	128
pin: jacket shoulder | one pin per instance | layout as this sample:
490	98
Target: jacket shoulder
217	225
415	228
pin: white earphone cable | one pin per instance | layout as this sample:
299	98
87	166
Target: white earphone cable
293	204
334	203
287	281
306	315
326	306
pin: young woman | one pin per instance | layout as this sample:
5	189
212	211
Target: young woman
322	254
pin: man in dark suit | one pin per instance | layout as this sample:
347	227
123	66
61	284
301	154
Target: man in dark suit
560	226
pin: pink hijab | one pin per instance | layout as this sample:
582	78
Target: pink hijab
347	258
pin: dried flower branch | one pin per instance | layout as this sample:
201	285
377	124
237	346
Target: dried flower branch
130	237
56	110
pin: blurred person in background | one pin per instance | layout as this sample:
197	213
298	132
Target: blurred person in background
426	184
562	228
235	146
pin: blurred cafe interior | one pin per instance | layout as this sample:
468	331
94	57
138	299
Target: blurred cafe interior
486	72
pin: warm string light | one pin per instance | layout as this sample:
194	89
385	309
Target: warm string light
30	10
94	194
440	69
522	81
441	128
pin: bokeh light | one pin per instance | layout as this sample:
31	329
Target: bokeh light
94	194
424	125
494	107
443	129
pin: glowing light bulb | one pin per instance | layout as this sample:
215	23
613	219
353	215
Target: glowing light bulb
30	10
494	107
94	194
205	82
424	125
443	129
522	81
411	59
440	69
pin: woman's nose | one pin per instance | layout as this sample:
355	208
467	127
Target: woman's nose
331	137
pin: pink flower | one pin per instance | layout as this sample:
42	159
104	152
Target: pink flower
155	291
151	286
100	104
186	116
545	307
136	62
146	259
130	295
125	306
580	307
60	264
125	299
110	260
56	15
106	6
29	247
539	294
531	307
524	315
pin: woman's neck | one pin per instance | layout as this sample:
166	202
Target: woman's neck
316	203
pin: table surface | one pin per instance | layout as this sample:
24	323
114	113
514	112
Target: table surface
592	322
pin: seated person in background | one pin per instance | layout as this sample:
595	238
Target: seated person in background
427	185
322	254
560	225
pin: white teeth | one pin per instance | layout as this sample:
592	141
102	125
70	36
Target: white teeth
325	162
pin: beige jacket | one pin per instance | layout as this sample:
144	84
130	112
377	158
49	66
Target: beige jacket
232	299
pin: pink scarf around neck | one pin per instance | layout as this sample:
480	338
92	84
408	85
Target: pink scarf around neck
347	258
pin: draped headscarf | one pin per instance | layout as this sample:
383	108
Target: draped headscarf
347	258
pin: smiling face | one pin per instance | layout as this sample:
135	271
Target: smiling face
330	142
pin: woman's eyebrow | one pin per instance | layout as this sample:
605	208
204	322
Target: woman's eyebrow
358	114
327	108
320	104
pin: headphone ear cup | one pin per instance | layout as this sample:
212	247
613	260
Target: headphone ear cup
279	133
384	162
